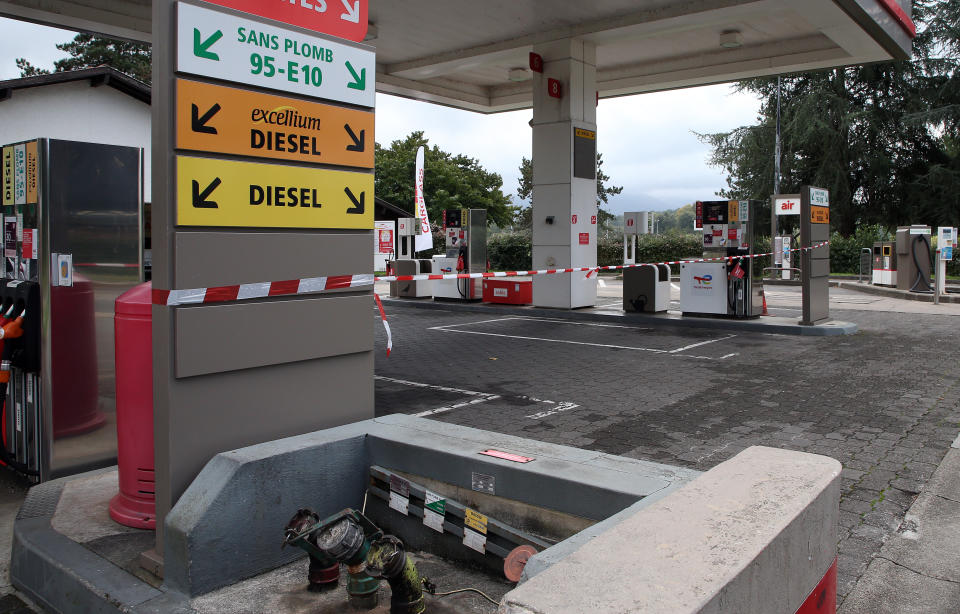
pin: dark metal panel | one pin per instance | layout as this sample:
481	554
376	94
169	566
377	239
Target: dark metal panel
221	338
230	258
815	264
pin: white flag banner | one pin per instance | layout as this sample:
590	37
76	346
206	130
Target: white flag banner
425	239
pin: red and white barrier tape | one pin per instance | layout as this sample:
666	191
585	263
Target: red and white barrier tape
221	294
590	270
316	285
386	326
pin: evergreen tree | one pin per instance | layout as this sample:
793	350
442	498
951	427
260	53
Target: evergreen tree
881	137
90	50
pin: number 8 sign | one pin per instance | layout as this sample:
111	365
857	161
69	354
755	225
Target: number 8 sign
554	88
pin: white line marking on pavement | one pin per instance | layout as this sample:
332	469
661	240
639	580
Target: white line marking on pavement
404	382
448	329
695	345
443	410
560	407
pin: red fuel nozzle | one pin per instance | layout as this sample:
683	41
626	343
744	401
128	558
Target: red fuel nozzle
12	330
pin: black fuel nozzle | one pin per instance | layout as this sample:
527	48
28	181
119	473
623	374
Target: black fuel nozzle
388	559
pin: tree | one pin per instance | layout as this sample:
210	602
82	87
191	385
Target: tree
450	181
89	50
525	192
879	137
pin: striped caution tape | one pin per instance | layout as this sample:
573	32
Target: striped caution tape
316	285
589	270
222	294
386	325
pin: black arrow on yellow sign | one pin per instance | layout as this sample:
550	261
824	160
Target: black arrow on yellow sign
358	143
358	206
199	124
200	198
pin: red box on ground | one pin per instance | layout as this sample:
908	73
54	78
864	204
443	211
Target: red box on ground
516	291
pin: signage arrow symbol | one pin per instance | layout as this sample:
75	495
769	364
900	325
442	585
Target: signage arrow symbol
202	49
358	206
359	81
199	124
358	143
200	198
353	12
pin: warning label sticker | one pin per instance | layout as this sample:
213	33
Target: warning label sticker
475	520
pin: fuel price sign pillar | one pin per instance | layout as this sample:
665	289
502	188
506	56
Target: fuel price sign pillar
263	156
815	229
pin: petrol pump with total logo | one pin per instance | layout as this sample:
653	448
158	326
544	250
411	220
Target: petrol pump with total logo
726	285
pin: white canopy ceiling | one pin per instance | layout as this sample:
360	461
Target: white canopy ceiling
461	53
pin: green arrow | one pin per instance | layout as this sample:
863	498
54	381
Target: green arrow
201	49
359	81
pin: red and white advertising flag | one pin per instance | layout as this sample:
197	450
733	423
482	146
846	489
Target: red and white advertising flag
424	240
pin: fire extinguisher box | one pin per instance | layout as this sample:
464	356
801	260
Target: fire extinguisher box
517	291
135	505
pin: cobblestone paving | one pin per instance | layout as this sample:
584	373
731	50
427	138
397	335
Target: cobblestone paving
884	402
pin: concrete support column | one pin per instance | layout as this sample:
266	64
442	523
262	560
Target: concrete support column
565	192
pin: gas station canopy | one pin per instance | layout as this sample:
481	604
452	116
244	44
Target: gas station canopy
475	55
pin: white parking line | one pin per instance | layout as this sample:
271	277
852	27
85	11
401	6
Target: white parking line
696	345
556	407
448	328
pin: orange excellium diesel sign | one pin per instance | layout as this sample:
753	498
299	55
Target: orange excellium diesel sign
218	119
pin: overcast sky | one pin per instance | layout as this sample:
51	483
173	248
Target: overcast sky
647	141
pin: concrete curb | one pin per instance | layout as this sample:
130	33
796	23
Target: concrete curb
42	557
895	293
769	325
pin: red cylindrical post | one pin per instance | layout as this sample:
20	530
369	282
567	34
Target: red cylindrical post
135	505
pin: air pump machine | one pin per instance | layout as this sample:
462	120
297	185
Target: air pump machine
465	234
406	264
727	287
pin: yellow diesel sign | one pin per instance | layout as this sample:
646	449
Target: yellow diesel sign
249	195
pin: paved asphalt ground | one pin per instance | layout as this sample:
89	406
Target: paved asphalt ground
883	401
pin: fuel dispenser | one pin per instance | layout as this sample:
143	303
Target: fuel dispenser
407	230
465	233
914	258
634	223
726	287
783	250
946	240
72	243
885	263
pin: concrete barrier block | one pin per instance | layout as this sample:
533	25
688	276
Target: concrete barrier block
754	534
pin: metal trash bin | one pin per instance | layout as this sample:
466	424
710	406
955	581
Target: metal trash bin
646	288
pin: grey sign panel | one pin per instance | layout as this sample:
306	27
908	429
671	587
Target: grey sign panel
815	263
584	153
228	259
272	333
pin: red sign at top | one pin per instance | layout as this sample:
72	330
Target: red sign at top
341	18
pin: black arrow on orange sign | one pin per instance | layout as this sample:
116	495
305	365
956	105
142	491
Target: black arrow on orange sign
199	124
200	198
358	206
358	143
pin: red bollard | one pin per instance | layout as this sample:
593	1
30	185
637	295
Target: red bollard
135	505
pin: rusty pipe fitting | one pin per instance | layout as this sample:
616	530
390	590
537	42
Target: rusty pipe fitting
324	571
388	559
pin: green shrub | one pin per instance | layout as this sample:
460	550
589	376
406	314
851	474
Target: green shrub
510	250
